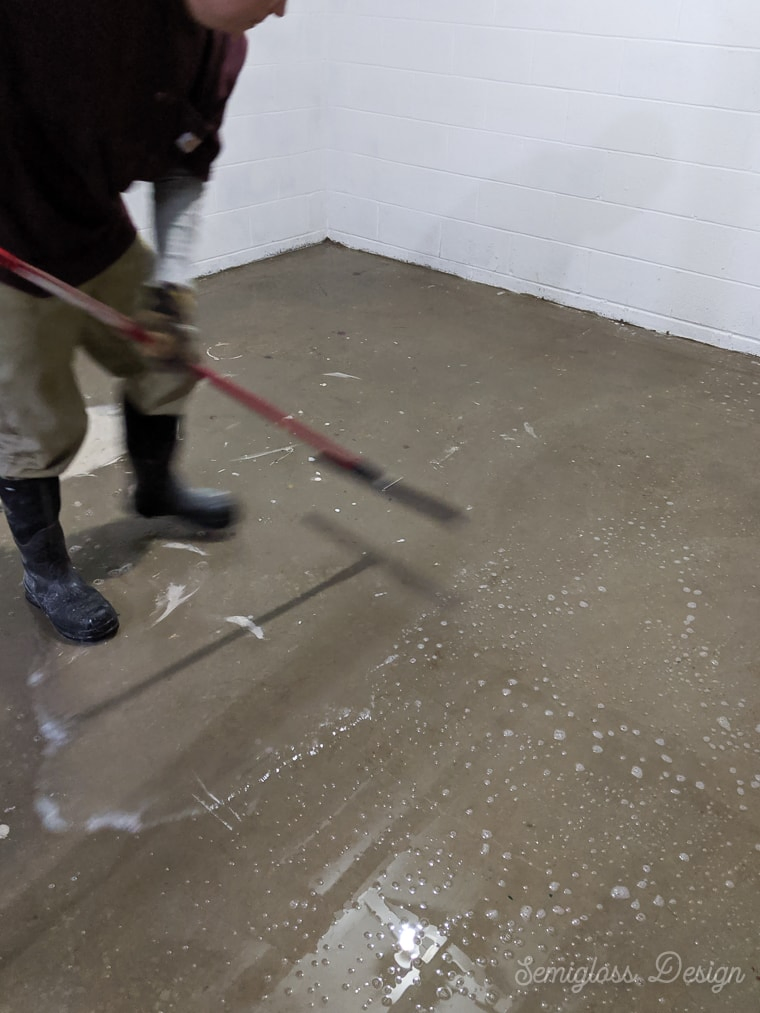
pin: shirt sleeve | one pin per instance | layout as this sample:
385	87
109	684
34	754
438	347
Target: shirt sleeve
177	206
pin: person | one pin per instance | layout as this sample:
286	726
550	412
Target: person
94	97
234	16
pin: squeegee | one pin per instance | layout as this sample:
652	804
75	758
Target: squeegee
330	452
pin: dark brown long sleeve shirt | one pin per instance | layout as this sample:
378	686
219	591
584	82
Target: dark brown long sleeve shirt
94	95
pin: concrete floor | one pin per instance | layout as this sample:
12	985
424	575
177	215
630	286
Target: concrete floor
390	800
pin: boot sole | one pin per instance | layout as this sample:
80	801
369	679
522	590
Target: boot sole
94	637
207	523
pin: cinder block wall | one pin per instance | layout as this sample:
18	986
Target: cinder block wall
599	153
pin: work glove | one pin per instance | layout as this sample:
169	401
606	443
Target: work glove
168	315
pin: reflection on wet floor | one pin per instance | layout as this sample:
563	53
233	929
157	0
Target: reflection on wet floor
402	953
375	764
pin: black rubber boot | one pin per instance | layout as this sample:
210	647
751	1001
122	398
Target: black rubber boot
151	443
76	610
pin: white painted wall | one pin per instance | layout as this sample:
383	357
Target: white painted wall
601	153
266	194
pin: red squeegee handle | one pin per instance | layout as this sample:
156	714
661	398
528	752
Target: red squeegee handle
331	452
130	329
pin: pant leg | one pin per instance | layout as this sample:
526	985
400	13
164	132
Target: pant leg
42	416
150	390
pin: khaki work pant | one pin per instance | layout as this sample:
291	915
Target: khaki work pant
43	420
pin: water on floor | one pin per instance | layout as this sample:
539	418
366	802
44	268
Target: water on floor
349	759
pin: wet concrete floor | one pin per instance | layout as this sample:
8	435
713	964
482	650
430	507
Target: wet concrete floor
302	779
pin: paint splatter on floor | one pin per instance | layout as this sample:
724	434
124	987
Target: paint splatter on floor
171	599
186	546
247	623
